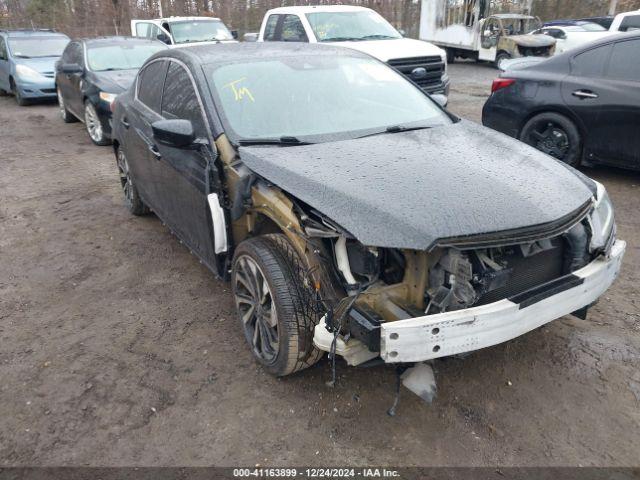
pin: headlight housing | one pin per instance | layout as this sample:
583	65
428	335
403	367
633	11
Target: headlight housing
108	97
28	74
601	220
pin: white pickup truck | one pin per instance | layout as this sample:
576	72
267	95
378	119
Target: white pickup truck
184	31
361	29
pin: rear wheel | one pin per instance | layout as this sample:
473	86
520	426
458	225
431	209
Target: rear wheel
275	303
132	199
93	124
500	57
555	135
66	115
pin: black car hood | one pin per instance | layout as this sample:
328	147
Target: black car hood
408	190
116	81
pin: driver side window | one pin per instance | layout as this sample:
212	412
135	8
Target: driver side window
180	101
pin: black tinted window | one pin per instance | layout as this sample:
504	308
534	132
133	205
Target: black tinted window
180	99
270	28
293	30
625	61
150	83
591	63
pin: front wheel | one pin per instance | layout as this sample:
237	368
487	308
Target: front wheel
94	125
20	100
555	135
499	58
132	199
275	303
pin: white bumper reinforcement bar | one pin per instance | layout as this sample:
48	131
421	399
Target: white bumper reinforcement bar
444	334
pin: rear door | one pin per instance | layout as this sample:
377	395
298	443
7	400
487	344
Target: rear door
141	154
4	65
69	83
617	129
581	92
185	173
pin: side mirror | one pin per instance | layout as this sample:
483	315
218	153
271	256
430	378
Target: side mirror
440	99
234	34
71	68
251	37
164	38
174	133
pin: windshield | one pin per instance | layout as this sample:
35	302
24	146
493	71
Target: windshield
318	96
37	47
199	31
120	57
520	26
346	26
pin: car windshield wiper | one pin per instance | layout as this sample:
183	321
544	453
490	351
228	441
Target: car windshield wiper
397	129
377	37
286	141
341	39
22	56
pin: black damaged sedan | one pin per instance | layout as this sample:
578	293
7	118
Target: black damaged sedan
350	212
92	72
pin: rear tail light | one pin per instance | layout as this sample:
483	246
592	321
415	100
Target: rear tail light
500	83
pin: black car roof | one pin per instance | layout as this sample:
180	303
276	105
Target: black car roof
116	40
224	53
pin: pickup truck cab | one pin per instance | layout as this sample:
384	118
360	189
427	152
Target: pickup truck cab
184	31
361	29
626	22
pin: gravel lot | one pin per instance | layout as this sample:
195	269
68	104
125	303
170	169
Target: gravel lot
118	348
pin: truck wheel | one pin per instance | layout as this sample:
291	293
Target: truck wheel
132	199
451	55
66	115
275	303
500	57
555	135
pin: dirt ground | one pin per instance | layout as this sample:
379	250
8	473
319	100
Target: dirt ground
118	348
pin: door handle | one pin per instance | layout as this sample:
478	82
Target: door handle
585	94
124	123
156	153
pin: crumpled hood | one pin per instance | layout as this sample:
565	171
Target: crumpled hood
408	190
117	81
386	50
533	40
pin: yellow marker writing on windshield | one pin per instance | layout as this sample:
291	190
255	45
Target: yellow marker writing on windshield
239	92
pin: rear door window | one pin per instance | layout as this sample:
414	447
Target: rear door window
591	63
142	29
625	61
293	30
630	23
150	84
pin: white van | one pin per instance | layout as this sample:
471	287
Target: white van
361	29
184	31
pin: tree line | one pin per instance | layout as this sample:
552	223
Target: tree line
85	18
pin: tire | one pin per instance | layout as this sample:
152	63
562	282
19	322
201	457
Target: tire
132	199
451	55
500	57
284	313
66	115
20	100
93	125
555	135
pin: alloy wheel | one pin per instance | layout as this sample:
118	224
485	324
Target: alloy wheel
91	120
551	139
125	178
257	309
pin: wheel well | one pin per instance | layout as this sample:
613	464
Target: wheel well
265	225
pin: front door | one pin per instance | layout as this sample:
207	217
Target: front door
490	32
186	173
145	110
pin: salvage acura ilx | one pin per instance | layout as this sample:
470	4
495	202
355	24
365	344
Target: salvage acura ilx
351	213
